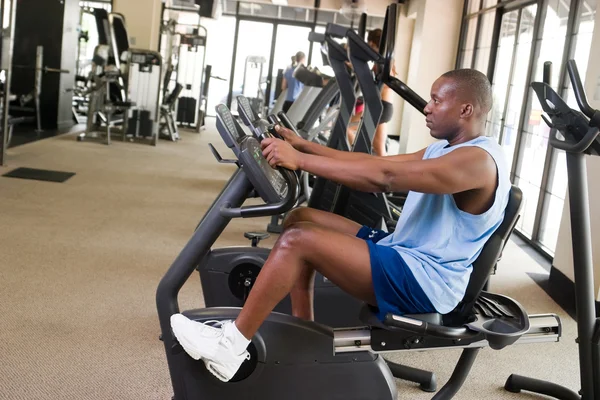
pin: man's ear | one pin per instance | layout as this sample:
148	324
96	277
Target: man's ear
466	110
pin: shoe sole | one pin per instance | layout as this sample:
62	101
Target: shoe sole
212	368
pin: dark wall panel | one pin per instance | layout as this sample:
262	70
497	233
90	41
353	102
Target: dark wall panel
53	25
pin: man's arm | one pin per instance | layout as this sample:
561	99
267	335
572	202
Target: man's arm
316	149
463	169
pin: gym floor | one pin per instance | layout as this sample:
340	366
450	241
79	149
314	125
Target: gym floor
80	262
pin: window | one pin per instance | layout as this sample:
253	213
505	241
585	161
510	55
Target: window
511	43
478	35
556	189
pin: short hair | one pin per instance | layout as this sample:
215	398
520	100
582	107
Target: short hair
475	85
374	36
300	56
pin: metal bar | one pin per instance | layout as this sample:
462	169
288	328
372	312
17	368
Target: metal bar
463	34
543	328
4	133
270	67
477	33
273	20
494	45
462	369
510	77
183	9
39	64
234	55
583	267
507	5
236	190
516	383
7	55
426	379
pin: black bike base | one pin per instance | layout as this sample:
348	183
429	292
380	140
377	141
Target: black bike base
516	383
426	380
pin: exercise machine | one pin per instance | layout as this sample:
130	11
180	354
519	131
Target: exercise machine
227	275
298	359
580	131
126	86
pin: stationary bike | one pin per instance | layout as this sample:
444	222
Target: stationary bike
228	274
296	359
580	131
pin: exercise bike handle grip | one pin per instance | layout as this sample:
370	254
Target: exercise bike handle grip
285	121
578	89
577	147
580	96
425	328
265	210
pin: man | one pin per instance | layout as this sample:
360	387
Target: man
459	188
293	86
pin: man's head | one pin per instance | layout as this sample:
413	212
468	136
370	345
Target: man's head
374	38
460	101
300	56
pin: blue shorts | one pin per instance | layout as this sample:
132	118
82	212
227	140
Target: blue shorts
396	289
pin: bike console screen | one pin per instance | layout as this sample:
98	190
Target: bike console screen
268	182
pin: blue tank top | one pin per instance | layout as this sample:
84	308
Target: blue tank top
294	86
438	241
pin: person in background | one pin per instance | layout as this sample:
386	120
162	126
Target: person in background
293	86
380	139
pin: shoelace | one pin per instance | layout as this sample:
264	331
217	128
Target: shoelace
212	332
218	324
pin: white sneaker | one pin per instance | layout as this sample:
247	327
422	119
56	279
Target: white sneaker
213	342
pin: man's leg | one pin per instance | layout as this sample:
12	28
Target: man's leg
343	259
302	294
324	218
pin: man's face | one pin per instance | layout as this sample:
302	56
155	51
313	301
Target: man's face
443	112
374	45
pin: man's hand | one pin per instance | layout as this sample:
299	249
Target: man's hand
281	154
289	136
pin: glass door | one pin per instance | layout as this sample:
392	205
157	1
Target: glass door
289	40
251	71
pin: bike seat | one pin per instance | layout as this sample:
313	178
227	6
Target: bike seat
368	315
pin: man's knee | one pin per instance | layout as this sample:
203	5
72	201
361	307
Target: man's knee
297	215
297	236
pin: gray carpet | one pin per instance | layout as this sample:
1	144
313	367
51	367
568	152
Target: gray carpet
80	262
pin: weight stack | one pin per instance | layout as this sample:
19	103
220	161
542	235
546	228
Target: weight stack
186	110
134	121
146	124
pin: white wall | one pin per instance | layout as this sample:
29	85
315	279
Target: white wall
143	21
434	46
563	259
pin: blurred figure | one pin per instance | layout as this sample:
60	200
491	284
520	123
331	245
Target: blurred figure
293	86
380	139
